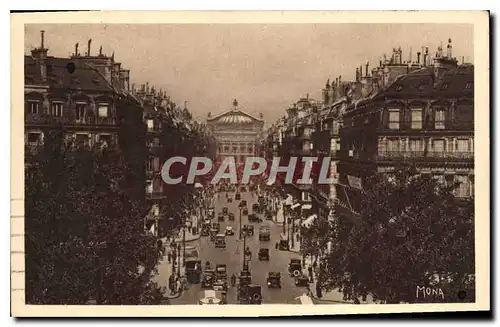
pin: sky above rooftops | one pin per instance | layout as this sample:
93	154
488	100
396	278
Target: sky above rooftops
265	67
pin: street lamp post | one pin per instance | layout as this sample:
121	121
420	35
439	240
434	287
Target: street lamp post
293	231
179	261
241	227
244	250
284	218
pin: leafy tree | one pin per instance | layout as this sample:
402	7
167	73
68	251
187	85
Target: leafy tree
84	229
412	232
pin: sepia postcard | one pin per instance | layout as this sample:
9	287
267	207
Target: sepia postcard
249	163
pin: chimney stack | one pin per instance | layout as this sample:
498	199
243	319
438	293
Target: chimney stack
448	49
418	57
88	47
357	75
380	63
340	79
42	32
366	67
360	71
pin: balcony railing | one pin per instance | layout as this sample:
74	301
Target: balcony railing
43	119
423	155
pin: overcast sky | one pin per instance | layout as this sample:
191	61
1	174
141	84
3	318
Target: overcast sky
265	67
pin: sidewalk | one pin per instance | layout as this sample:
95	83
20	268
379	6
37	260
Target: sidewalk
333	296
164	269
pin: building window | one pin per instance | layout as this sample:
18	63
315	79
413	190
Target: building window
103	110
156	142
382	145
235	149
105	140
438	146
394	119
33	106
439	119
82	140
250	149
306	197
56	109
226	148
393	145
416	145
80	111
34	138
462	145
150	124
463	188
416	118
149	187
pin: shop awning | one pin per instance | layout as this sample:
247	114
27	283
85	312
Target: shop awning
296	205
306	207
306	223
198	185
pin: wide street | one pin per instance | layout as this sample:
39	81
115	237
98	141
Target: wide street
232	256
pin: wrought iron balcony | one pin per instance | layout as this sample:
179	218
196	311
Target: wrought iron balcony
424	155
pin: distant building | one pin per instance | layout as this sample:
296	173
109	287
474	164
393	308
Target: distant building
236	133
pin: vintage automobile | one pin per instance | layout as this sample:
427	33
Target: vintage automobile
295	267
263	254
208	279
301	281
220	240
211	212
243	203
231	216
237	197
274	279
212	297
250	294
220	285
264	233
245	212
220	216
205	228
245	277
225	210
253	218
216	226
221	272
249	229
255	207
193	271
229	230
283	243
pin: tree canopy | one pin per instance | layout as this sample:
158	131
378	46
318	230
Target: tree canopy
85	236
412	232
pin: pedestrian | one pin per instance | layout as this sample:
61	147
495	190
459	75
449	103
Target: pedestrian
315	264
178	285
310	270
319	293
276	245
169	256
171	284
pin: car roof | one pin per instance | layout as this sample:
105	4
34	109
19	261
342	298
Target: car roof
221	235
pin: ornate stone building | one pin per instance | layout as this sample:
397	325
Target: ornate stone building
236	133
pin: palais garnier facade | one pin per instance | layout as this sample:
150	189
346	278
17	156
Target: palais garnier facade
236	132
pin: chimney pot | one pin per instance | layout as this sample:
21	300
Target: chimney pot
42	32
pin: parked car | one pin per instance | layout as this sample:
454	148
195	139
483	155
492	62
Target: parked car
295	267
301	281
225	210
231	216
220	216
264	233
